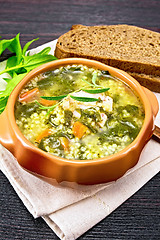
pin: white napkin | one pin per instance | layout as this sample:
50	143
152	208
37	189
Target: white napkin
71	212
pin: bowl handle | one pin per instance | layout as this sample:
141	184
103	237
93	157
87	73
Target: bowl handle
153	101
5	134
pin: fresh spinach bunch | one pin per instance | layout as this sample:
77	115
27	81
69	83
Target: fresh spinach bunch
20	64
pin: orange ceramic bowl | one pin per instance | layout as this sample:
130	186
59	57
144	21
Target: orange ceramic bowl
85	172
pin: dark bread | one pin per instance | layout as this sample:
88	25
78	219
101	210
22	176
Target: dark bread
130	48
149	81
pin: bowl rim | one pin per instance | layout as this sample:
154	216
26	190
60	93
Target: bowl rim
90	63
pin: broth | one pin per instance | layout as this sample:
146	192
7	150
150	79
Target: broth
77	112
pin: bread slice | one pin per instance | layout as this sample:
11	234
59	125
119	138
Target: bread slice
130	48
149	81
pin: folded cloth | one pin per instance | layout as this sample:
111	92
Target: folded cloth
79	209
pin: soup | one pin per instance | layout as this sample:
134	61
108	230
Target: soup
77	112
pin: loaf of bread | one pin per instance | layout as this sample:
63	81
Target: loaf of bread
130	48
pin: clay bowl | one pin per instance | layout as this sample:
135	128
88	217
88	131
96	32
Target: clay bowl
84	172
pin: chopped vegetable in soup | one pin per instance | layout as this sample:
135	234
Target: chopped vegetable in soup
77	112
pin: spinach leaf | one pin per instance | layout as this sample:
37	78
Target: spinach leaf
26	110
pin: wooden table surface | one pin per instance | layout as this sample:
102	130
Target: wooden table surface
139	216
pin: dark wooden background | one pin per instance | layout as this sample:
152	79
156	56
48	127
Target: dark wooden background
138	217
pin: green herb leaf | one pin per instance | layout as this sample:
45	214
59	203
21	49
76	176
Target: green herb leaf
13	45
84	99
44	51
54	98
99	90
4	95
7	79
27	46
11	62
37	59
11	85
3	102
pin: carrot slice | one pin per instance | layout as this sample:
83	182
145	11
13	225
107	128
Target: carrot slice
29	95
65	143
79	129
46	102
43	134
